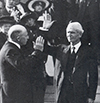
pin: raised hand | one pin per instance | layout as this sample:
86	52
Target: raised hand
47	23
15	14
39	45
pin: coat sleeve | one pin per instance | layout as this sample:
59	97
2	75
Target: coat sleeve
56	51
19	62
93	76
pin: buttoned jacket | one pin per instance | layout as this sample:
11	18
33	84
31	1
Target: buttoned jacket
85	63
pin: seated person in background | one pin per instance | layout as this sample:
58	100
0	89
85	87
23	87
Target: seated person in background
21	76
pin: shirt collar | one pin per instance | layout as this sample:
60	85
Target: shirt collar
76	47
14	43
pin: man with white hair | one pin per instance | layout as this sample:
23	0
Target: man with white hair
79	65
77	88
18	72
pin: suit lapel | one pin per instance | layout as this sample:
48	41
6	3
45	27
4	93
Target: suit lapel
80	57
64	58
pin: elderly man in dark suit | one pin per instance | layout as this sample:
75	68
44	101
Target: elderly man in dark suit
20	74
79	65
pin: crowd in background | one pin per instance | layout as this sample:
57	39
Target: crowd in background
61	12
49	19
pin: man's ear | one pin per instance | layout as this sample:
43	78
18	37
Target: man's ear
18	38
80	35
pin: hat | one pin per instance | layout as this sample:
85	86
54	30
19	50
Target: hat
7	19
75	26
27	16
16	27
32	3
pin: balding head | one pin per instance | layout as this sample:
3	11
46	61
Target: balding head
16	27
18	34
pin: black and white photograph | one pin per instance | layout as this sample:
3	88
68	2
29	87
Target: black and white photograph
49	51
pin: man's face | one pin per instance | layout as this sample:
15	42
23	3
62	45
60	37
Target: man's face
73	36
10	3
30	22
23	38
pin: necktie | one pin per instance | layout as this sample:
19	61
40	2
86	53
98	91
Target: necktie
72	57
73	53
72	60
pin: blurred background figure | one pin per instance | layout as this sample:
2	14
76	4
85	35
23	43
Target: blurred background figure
30	22
38	6
89	16
3	10
9	4
5	23
16	9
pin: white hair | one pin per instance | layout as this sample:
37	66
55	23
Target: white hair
76	26
14	28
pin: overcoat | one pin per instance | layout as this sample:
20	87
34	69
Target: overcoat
18	73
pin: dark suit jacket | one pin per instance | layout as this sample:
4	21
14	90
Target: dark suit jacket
3	39
18	73
85	64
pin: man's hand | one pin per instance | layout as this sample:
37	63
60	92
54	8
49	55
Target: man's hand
15	14
90	100
47	23
39	45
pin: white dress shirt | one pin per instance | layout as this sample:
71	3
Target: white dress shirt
77	46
